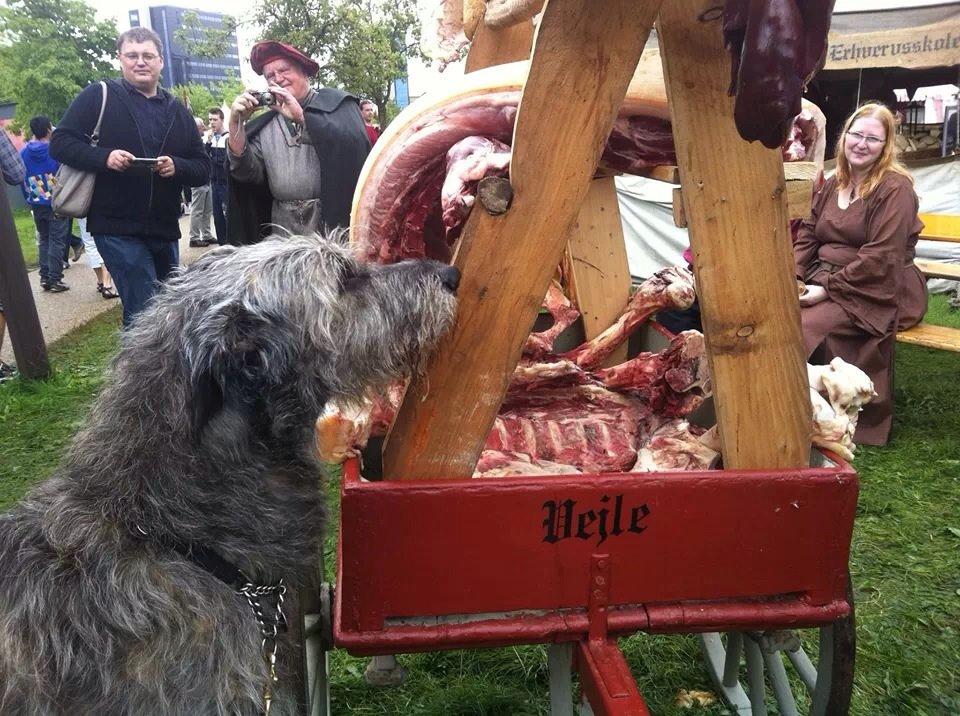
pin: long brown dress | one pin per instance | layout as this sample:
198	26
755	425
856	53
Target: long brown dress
863	256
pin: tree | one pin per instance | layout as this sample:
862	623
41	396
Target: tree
198	41
49	51
362	45
200	99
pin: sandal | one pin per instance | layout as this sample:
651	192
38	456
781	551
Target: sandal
108	292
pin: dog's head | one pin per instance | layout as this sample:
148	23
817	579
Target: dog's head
268	333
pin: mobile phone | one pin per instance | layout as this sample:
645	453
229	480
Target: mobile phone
143	162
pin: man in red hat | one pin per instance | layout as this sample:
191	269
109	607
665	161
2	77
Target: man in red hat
295	165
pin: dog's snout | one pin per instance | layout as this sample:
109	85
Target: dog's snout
450	277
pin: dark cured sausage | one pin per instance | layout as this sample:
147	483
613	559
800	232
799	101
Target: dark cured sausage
768	84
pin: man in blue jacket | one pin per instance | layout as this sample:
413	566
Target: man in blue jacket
134	214
52	230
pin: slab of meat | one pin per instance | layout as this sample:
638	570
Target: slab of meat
469	161
676	445
587	426
484	104
441	31
496	463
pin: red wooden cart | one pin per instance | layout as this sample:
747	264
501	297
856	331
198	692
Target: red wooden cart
744	556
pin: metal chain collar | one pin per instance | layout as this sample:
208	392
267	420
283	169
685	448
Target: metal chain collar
270	625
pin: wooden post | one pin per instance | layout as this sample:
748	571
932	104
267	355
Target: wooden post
20	311
581	66
599	276
733	195
499	46
599	280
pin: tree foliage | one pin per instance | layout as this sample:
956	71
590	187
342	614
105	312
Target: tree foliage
362	45
49	51
199	98
199	41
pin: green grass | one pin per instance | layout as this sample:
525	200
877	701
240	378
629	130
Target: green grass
27	233
905	558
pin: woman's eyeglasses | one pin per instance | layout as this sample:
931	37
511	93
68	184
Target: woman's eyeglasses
870	140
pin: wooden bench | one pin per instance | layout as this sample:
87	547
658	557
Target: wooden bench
937	227
930	336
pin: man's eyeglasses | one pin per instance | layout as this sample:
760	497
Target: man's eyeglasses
134	56
276	73
870	140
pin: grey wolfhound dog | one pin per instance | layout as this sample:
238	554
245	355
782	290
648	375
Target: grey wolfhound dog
197	461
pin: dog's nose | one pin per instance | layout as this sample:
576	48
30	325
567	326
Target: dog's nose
450	277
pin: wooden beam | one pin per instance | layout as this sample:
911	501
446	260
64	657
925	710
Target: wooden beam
799	195
735	206
599	276
493	46
581	66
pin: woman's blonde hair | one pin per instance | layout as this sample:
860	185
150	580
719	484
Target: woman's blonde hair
888	159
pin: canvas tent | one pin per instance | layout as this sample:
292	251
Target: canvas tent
871	52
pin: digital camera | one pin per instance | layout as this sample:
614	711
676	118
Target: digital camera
264	99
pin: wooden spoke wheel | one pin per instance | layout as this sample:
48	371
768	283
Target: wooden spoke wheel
753	669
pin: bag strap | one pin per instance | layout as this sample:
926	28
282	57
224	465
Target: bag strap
95	137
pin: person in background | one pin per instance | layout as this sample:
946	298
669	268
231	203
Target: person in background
201	210
14	172
134	214
52	230
854	254
216	146
95	262
297	164
368	110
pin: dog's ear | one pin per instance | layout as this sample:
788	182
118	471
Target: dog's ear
245	353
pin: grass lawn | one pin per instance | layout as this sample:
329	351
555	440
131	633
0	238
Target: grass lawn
27	233
905	559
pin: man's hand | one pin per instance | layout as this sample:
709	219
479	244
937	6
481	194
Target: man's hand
119	160
242	107
286	104
813	295
165	167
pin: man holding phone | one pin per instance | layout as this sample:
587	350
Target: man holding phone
149	148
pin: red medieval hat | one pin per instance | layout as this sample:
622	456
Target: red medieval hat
265	52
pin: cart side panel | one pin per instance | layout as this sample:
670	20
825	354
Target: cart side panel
505	545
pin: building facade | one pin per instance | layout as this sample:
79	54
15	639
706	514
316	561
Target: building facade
179	67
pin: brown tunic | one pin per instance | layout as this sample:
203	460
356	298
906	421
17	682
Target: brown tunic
863	256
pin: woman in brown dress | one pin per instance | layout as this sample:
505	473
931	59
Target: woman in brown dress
855	254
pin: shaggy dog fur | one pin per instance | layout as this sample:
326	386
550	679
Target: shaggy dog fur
203	435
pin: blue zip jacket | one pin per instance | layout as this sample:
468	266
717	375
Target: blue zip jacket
41	169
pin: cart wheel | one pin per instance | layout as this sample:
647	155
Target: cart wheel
318	640
827	684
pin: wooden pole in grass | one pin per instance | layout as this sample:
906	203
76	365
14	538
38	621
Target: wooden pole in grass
23	323
735	205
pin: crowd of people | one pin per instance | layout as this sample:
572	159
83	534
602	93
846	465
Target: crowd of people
291	168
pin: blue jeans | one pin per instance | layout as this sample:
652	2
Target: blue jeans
137	266
220	211
52	243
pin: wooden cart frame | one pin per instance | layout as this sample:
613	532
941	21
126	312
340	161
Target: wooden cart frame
431	559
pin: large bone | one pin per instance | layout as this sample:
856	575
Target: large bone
503	13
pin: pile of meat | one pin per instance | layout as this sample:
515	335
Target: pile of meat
567	413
